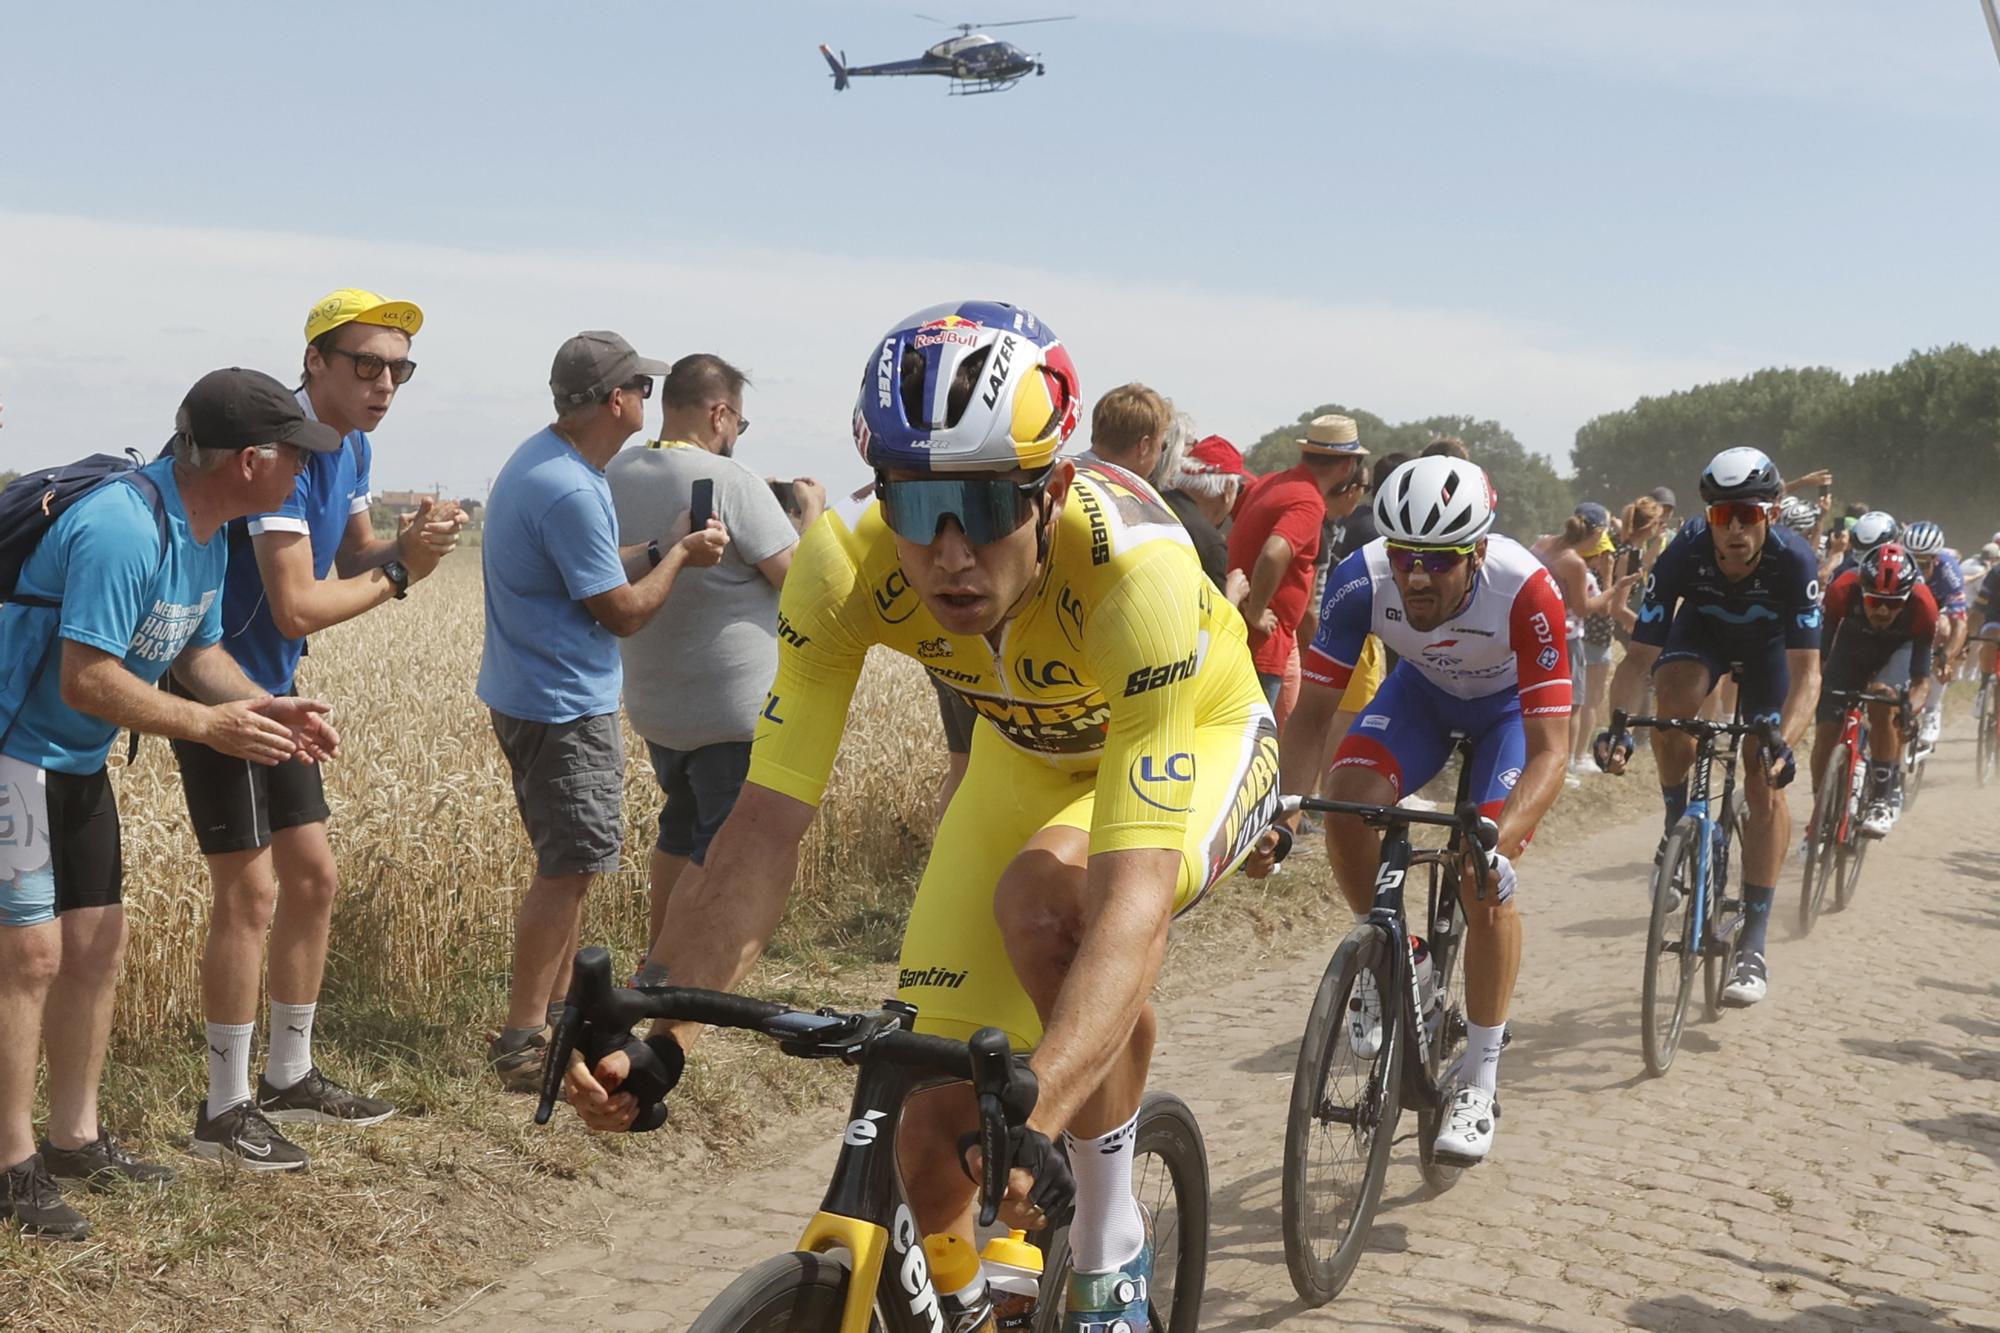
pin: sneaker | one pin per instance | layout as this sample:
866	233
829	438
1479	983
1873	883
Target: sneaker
519	1066
30	1198
102	1163
1750	984
1119	1299
1467	1134
242	1135
318	1100
1364	1017
1875	824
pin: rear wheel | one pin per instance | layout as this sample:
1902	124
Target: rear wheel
787	1293
1170	1180
1848	876
1341	1124
1823	836
1446	935
1670	964
1986	723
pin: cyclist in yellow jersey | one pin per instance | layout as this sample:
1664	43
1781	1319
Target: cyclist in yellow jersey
1128	762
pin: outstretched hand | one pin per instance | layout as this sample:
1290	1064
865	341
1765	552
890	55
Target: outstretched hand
313	737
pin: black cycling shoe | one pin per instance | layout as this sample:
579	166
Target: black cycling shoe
103	1163
318	1100
30	1197
242	1135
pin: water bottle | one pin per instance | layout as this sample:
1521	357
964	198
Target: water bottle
961	1285
1013	1279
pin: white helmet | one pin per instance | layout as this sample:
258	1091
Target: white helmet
1923	539
1437	501
1872	529
1741	473
1801	516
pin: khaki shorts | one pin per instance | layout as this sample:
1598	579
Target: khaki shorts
569	780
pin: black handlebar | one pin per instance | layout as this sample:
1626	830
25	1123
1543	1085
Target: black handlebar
1006	1089
1467	820
1766	731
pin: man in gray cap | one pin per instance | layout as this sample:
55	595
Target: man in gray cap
560	593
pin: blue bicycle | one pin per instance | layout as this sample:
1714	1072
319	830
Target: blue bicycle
1694	921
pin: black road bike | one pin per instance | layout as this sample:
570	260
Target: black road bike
860	1267
1694	922
1345	1105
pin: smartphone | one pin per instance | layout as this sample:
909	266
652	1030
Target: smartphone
1825	489
702	507
788	496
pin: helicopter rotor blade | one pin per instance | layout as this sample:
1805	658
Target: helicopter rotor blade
1020	23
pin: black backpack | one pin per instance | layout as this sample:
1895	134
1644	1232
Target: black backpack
32	502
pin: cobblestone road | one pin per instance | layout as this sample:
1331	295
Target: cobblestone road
1828	1160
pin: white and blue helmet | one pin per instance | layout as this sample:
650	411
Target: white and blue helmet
1740	474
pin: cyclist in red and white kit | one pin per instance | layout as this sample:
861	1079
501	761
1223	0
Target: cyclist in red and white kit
1477	624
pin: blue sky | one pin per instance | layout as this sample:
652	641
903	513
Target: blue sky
1535	210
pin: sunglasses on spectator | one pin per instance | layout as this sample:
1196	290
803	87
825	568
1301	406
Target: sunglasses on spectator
643	386
368	366
1743	513
986	508
1435	560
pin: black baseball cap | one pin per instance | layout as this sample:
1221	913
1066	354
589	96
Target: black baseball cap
592	364
241	409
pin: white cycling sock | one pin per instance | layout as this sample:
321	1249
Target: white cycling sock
1108	1232
228	1065
1482	1056
291	1044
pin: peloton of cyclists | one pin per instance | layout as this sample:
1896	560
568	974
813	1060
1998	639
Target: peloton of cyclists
1734	590
1477	624
1881	622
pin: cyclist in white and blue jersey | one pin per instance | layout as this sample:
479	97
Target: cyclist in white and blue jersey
312	562
1946	580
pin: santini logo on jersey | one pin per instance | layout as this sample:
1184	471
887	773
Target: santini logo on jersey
941	977
1159	677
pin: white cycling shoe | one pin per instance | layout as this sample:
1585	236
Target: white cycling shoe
1364	1017
1927	731
1878	821
1750	984
1469	1126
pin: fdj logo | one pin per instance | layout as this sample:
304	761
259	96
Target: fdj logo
913	1272
1150	776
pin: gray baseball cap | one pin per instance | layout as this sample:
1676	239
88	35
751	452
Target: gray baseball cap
592	364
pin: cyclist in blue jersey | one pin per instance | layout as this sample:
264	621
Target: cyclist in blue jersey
1946	580
1733	590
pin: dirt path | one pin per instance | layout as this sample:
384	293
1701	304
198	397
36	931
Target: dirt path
1828	1160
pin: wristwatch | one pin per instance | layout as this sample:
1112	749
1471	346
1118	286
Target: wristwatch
653	552
396	573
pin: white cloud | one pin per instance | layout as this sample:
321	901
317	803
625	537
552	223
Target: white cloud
107	323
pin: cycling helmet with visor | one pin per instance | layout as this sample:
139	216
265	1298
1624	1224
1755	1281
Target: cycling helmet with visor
1888	574
1433	511
968	395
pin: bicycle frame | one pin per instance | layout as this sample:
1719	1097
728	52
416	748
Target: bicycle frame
1708	874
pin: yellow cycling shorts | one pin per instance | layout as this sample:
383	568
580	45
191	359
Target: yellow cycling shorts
954	966
1366	681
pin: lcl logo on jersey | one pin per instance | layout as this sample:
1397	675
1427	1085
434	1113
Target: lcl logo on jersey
1048	674
1151	779
894	601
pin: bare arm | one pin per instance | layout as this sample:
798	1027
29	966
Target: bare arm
421	539
1540	783
625	609
775	567
1128	905
303	605
95	682
1269	571
1804	692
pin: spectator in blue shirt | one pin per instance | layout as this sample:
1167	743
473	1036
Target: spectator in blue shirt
118	612
560	593
310	562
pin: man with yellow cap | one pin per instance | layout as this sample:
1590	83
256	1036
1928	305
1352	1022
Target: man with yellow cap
313	562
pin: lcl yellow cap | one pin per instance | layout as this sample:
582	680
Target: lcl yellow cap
351	305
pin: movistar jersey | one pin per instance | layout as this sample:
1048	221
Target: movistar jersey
1778	597
1123	650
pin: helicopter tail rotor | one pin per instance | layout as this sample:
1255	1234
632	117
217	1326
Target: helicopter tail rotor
838	66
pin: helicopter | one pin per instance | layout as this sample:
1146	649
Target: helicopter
973	61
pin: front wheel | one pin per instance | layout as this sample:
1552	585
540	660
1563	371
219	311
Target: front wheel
1447	1025
1170	1180
1670	960
1823	836
1849	876
1341	1124
787	1293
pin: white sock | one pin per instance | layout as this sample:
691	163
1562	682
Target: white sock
1482	1056
291	1057
1108	1232
228	1065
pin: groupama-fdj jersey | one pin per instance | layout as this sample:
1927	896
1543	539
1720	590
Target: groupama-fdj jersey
1120	701
1694	612
1502	655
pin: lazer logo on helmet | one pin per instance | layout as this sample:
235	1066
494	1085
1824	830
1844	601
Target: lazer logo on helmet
885	374
1003	355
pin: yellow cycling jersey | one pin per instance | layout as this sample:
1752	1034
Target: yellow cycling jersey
1120	654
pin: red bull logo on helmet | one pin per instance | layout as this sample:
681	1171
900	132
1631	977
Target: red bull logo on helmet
953	329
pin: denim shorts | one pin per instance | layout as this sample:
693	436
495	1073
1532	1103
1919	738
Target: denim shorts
568	784
701	788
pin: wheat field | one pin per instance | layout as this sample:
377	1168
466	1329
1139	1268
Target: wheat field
430	849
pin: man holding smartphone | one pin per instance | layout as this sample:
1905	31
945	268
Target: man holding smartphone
695	677
560	592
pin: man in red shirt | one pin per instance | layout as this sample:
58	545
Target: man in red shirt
1277	536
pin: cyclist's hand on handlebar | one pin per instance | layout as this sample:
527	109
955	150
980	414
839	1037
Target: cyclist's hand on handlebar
1040	1188
1780	765
1612	750
595	1095
1499	880
1264	857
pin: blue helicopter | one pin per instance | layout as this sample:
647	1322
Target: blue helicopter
973	61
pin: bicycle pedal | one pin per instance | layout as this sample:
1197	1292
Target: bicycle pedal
1454	1159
